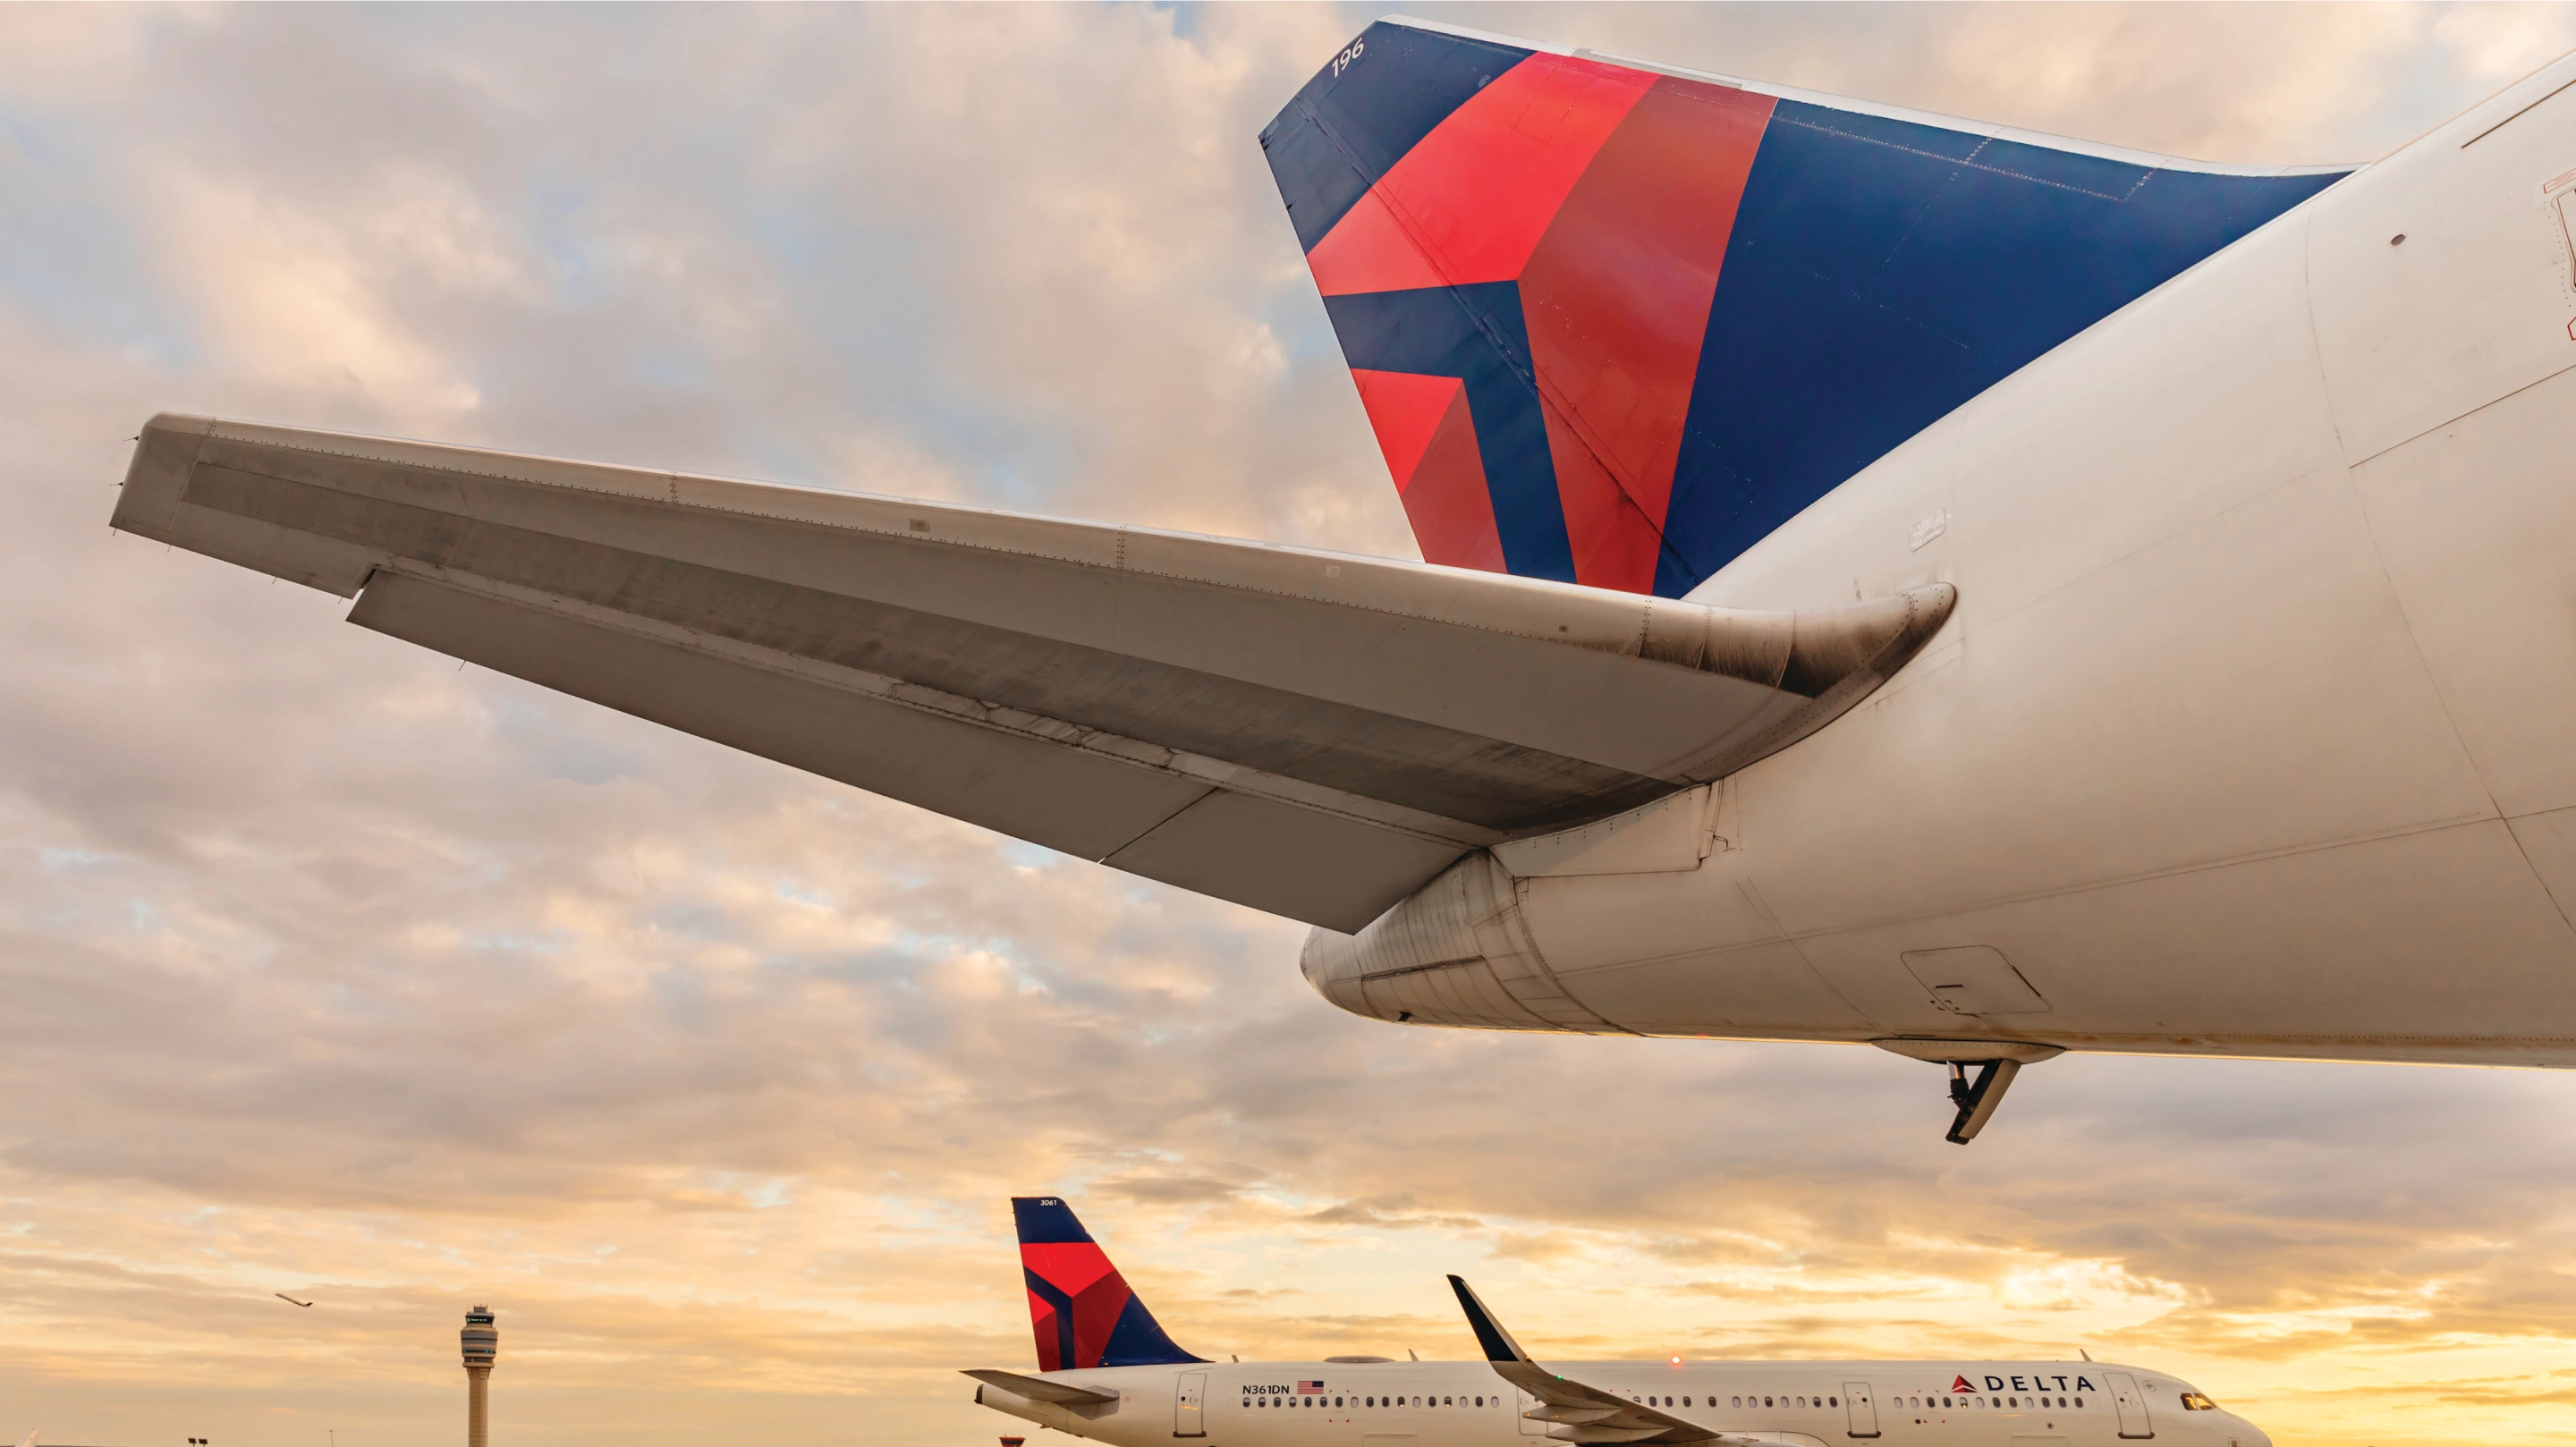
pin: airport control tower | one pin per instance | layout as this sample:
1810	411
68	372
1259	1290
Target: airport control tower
482	1342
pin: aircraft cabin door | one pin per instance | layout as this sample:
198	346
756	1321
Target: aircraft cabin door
2133	1408
1863	1409
1189	1415
1524	1404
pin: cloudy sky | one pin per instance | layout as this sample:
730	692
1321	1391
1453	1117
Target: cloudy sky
329	967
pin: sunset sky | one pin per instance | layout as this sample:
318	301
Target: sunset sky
329	967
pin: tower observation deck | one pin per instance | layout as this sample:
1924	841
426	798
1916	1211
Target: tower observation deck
482	1343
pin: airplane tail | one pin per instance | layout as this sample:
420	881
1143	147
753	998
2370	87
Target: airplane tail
1081	1309
1614	323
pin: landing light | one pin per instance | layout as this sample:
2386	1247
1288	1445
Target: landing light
1677	1361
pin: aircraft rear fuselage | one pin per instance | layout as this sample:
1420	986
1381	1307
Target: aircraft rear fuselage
2249	734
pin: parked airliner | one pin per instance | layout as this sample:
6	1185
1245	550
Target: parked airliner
1107	1371
1890	579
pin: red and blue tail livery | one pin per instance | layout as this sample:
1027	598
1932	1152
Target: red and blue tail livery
1081	1309
1613	324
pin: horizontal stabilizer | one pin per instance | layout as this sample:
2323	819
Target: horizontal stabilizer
1304	732
1039	1389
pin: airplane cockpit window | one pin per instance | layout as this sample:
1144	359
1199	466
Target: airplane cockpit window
2195	1402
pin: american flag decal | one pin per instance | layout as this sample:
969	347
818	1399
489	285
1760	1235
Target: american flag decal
1310	1387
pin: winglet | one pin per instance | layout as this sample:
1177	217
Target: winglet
1580	1413
1498	1343
30	1441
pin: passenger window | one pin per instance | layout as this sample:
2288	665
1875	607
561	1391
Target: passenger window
1739	1401
1833	1401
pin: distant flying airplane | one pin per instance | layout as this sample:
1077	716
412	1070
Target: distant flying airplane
1892	579
1107	1371
282	1296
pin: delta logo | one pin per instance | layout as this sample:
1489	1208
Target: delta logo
2035	1382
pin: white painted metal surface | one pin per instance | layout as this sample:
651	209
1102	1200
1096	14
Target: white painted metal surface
1723	1404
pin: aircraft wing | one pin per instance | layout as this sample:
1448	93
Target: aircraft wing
1579	1413
1039	1389
1304	732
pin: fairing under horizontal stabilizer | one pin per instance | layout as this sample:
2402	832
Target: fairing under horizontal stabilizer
1613	325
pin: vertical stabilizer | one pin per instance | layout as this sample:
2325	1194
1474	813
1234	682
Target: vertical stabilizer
1081	1309
1614	323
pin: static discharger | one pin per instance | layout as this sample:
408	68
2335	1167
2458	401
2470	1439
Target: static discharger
482	1343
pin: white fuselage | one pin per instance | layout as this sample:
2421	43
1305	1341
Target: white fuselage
2254	730
1464	1404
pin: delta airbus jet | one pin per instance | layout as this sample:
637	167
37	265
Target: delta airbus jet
1889	579
1107	1371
